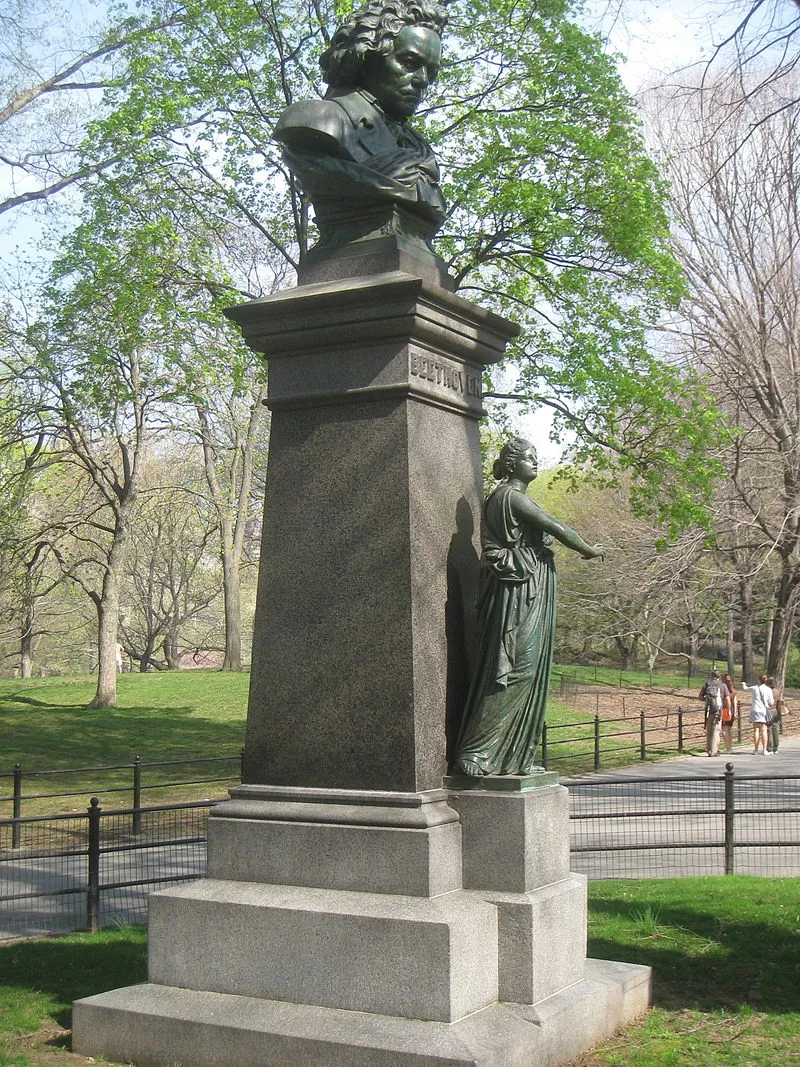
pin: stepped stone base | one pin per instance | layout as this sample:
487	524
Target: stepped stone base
154	1025
461	953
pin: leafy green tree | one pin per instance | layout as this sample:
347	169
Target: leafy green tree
557	220
117	336
557	213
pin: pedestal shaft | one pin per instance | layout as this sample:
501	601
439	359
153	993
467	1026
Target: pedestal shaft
369	555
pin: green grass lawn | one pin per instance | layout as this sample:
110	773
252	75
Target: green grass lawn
45	724
725	954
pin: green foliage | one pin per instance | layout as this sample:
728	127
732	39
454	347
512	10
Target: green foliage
557	213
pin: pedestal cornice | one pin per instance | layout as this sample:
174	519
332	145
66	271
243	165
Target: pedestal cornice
373	309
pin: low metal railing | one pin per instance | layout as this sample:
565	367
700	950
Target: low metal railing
138	785
89	869
671	827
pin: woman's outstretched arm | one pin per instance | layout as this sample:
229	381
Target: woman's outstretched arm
528	511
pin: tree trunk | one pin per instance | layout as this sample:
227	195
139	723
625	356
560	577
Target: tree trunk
146	661
730	651
232	516
691	668
108	622
783	628
231	588
26	644
627	653
108	611
171	649
746	608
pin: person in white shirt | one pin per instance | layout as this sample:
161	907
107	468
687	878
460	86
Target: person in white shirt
763	700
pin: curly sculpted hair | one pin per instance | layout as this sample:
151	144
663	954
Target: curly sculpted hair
371	30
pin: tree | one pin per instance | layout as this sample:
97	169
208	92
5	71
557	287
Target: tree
556	218
648	594
172	577
738	239
233	432
103	360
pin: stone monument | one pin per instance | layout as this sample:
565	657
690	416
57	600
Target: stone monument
354	912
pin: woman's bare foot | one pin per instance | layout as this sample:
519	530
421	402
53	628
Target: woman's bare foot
470	768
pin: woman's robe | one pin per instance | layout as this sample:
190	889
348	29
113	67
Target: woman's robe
504	715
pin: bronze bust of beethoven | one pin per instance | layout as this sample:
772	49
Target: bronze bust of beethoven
366	172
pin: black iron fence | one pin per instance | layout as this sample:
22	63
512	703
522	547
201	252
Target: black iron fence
92	869
87	870
566	679
143	777
673	827
595	742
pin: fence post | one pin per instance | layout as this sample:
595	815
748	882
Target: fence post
16	809
93	887
137	796
597	742
642	738
680	730
729	813
544	746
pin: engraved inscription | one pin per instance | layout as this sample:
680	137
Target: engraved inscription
447	375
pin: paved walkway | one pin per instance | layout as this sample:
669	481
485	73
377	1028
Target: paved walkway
667	819
785	763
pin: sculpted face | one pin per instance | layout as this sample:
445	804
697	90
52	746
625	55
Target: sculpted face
527	465
399	80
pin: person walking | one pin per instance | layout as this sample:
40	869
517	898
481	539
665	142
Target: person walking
776	716
763	700
729	713
716	697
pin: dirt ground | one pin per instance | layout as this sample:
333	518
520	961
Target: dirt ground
660	706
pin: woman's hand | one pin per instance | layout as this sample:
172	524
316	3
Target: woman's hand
594	552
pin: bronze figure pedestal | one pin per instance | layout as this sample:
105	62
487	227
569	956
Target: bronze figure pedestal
354	912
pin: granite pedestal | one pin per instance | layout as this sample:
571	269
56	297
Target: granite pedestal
248	968
371	520
355	913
